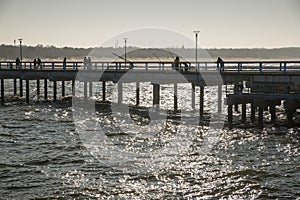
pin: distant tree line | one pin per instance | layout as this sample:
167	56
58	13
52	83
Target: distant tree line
9	52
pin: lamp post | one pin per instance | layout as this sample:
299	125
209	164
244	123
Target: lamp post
21	48
196	35
125	40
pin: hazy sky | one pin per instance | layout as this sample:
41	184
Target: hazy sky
87	23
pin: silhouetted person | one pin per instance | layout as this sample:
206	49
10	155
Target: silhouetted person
35	64
39	62
85	62
176	63
65	63
18	63
220	63
186	66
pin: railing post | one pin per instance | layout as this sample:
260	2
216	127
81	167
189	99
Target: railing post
53	66
284	68
30	66
146	66
280	66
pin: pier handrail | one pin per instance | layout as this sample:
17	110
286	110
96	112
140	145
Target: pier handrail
238	66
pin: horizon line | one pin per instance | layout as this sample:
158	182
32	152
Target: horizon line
77	47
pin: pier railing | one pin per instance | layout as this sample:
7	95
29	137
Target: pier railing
236	66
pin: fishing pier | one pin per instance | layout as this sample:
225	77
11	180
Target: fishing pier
261	85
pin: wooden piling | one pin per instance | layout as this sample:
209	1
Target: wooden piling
137	91
175	97
253	112
273	113
236	108
244	113
54	90
85	90
193	95
2	91
260	117
15	86
219	98
120	92
73	88
289	114
27	91
45	89
156	95
103	91
201	105
90	89
229	115
38	88
21	88
62	88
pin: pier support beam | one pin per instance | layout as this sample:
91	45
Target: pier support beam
219	98
90	89
15	86
103	91
45	89
120	93
54	90
193	96
27	91
201	105
253	112
38	88
85	90
21	88
273	113
260	117
175	97
156	94
2	92
63	88
137	91
243	113
230	115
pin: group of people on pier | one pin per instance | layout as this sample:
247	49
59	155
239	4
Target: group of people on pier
37	63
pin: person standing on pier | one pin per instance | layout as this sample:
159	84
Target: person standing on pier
176	63
34	64
39	62
18	63
65	63
220	64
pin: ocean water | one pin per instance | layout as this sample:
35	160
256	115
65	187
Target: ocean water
48	151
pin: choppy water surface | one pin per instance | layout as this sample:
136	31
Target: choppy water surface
43	156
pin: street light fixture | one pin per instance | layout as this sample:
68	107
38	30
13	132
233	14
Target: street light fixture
196	35
125	40
21	48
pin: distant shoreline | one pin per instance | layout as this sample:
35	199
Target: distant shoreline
51	53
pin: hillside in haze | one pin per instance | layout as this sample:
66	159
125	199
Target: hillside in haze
8	52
